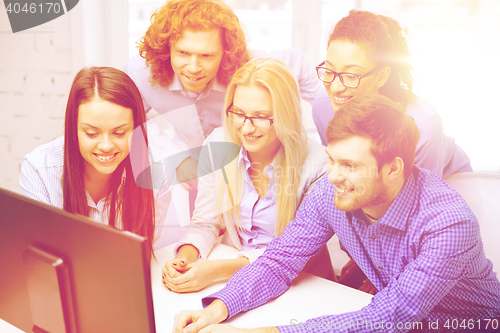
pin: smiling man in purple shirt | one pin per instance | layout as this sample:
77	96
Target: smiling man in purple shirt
413	236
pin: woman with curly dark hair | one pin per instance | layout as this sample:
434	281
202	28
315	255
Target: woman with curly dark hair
368	54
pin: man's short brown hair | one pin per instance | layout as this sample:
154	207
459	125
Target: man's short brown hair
393	133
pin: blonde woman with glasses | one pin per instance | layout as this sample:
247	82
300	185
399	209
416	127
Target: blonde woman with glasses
251	200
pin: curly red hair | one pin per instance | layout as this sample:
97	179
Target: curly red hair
168	24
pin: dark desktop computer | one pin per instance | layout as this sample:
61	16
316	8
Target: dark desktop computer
61	272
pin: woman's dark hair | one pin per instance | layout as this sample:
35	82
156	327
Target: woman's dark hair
386	44
135	205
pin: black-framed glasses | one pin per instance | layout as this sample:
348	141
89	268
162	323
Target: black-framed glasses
240	118
349	80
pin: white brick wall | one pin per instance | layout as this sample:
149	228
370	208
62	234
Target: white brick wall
35	77
37	68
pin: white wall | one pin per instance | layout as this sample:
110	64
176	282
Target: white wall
459	76
37	68
35	76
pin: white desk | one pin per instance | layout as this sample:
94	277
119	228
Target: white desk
323	297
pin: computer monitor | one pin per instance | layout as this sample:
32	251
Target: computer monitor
65	273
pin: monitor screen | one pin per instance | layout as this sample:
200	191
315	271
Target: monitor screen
61	272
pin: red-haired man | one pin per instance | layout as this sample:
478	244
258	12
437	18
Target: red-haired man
187	57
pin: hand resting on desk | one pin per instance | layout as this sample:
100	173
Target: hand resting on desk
206	321
224	328
183	274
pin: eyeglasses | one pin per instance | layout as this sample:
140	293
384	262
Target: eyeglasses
240	118
349	80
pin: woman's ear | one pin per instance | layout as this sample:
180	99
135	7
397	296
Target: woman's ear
382	76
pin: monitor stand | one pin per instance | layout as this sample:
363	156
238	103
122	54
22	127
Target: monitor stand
49	292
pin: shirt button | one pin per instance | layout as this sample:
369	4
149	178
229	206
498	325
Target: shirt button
373	237
380	268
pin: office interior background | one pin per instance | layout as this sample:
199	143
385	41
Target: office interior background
455	46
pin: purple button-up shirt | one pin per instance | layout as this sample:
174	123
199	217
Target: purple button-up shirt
258	216
424	255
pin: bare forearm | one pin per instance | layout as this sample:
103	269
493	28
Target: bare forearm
225	268
268	330
188	252
217	310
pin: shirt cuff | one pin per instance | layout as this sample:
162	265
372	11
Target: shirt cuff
229	297
251	255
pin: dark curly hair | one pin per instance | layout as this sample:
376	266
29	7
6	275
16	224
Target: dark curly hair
169	22
386	44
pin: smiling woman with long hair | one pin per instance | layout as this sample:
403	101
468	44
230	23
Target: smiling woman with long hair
88	171
261	189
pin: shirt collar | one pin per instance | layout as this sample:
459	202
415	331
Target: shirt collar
215	85
176	85
100	205
244	161
397	214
